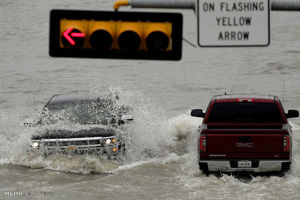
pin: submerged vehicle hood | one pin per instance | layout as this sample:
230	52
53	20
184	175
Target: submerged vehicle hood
61	133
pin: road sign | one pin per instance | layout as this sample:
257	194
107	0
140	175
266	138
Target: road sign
103	34
233	23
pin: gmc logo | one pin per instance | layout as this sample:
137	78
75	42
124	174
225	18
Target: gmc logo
244	145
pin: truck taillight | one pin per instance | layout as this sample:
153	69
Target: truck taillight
203	143
286	143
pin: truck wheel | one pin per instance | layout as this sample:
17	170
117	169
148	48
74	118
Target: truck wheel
286	166
203	167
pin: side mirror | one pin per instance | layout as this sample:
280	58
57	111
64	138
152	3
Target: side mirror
197	113
292	114
125	118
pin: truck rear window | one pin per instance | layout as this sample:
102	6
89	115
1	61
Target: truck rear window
245	112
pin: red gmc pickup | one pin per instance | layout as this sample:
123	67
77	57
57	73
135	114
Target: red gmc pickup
245	133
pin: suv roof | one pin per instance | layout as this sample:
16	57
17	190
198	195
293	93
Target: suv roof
75	97
245	97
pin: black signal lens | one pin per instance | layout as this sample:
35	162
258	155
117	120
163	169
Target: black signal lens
101	39
129	40
157	41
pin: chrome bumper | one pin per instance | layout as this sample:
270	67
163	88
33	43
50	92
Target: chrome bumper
225	166
87	145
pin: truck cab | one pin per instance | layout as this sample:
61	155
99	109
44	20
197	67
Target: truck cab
79	123
245	133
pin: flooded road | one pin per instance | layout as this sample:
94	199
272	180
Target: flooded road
161	161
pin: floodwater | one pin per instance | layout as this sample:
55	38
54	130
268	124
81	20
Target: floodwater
157	164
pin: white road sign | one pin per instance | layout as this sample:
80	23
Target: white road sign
234	23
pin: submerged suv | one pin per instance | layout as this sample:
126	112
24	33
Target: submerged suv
80	124
245	133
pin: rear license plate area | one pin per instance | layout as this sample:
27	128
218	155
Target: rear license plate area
244	164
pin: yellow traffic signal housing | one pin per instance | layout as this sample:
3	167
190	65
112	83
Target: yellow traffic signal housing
102	34
131	35
158	36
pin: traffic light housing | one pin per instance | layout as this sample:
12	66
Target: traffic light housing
104	34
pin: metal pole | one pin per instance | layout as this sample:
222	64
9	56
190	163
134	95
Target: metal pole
185	4
283	5
288	5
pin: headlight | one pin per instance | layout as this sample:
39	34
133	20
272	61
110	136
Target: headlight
107	141
35	144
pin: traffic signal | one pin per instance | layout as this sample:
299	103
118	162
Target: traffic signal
103	34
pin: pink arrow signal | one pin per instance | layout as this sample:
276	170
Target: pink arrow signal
70	39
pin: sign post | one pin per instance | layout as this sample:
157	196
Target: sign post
233	23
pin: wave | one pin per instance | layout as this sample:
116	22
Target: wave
149	137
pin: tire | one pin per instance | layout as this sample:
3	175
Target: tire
286	166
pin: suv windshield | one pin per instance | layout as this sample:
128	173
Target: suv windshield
81	112
245	112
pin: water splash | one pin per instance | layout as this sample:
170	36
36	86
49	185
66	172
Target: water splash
83	164
150	136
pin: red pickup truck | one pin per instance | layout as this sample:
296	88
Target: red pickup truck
245	133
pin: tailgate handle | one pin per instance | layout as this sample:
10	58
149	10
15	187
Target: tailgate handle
244	139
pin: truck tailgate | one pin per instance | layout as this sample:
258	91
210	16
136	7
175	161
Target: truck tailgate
244	143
